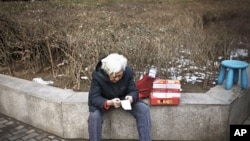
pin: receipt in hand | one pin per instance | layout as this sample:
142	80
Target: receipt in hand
126	105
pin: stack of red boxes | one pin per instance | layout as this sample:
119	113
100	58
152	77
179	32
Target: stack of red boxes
165	92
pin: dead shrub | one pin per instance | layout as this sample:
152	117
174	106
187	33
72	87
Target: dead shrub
149	34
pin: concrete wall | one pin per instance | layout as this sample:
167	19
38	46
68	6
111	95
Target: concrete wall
204	116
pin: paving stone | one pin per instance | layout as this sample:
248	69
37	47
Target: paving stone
51	137
41	136
20	131
19	127
2	126
32	135
15	137
46	139
9	123
3	121
32	139
30	131
6	136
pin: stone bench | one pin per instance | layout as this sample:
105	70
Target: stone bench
199	116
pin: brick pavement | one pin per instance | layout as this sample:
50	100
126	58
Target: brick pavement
13	130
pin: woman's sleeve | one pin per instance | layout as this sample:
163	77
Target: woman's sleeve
95	97
132	89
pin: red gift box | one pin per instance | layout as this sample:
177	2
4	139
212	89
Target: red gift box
165	92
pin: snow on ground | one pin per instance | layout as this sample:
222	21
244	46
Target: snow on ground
182	69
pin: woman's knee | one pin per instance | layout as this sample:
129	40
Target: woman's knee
142	107
96	115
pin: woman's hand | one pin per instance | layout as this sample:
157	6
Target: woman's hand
130	98
116	102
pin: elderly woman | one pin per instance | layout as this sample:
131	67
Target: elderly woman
112	81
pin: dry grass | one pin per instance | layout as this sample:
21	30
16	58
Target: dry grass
39	35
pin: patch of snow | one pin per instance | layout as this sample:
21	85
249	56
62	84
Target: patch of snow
84	77
41	81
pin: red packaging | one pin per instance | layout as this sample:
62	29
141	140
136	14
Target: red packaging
165	92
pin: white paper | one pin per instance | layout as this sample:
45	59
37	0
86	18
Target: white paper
126	105
152	72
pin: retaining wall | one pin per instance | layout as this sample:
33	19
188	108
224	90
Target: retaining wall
199	116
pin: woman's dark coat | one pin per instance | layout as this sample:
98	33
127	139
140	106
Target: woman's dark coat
103	89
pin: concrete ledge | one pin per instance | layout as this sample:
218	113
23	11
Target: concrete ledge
204	116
